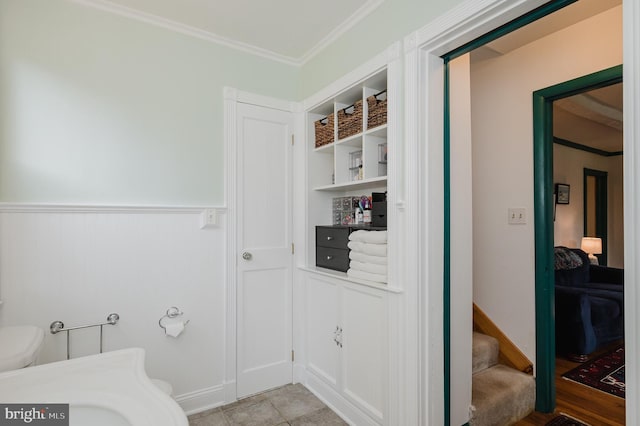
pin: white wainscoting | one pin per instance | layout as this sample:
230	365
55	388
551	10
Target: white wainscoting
78	264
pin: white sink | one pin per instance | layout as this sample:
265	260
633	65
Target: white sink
110	389
83	415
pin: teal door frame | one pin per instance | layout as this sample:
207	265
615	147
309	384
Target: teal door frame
543	212
519	22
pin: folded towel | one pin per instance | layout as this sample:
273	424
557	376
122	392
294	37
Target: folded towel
370	249
371	237
368	267
353	273
361	257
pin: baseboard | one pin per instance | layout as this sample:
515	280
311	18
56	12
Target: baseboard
299	372
230	392
345	409
510	355
202	400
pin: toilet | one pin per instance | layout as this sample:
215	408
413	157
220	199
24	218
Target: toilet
19	346
163	386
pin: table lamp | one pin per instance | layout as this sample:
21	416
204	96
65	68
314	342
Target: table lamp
591	246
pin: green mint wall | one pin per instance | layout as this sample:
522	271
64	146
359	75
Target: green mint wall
97	108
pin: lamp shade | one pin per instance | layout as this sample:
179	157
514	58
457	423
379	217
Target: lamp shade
591	245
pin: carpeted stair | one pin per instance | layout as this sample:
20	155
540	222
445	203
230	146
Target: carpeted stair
500	395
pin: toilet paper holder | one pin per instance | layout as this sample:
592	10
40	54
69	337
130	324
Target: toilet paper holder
172	312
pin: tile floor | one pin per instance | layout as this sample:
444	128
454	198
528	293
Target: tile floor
289	405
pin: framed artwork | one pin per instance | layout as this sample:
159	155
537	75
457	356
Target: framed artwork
562	193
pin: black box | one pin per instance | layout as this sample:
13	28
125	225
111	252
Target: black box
379	213
378	196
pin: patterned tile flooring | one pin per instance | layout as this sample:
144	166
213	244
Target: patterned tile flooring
289	405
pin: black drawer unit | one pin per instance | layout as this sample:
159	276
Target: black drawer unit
332	236
331	245
332	258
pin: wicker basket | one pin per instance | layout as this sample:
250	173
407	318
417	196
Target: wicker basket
324	131
350	120
377	110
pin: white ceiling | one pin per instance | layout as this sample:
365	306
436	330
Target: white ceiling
291	31
593	118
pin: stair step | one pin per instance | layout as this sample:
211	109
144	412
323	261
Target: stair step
485	352
501	396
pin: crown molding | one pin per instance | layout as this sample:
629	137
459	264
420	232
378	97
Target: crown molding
148	18
188	30
340	30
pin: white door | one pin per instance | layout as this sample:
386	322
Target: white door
264	255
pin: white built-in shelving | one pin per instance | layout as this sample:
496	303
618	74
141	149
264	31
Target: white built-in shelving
331	163
349	370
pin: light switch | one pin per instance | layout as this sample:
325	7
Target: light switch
208	218
517	216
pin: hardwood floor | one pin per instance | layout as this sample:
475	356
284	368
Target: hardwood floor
579	401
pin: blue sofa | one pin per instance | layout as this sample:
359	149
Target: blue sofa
589	304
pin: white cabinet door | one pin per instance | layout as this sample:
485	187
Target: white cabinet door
322	323
355	367
264	241
364	364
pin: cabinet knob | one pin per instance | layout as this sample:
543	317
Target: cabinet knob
329	238
247	256
329	257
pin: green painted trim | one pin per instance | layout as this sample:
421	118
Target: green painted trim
575	145
596	80
543	195
510	26
543	214
602	207
513	25
447	247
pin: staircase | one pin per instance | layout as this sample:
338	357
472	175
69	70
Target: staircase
501	395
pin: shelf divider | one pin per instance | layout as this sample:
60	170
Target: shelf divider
364	183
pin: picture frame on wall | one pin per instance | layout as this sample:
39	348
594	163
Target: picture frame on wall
562	193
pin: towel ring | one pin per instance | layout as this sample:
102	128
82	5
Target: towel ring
172	312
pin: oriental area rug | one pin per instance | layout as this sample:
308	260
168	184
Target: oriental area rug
564	420
605	373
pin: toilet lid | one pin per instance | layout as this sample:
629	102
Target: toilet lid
19	346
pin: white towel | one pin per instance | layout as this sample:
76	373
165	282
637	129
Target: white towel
371	237
368	267
370	249
361	257
353	273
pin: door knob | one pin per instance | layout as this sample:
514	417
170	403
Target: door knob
247	256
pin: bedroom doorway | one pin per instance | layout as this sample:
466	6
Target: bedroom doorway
501	181
550	233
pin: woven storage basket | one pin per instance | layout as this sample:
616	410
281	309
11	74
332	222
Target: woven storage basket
377	110
324	131
350	120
